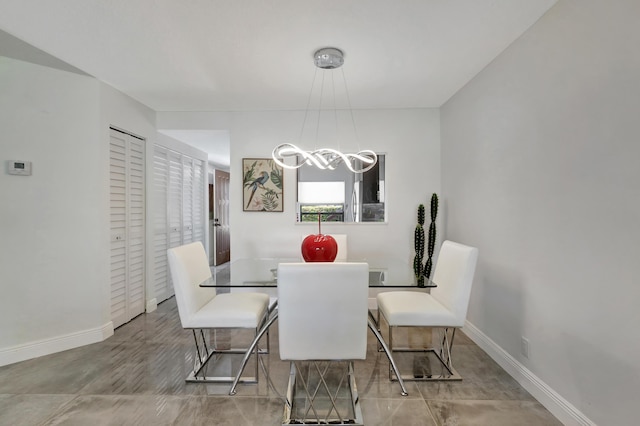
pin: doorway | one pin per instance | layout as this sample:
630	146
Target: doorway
219	212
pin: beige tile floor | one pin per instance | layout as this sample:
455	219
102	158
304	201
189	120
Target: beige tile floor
136	377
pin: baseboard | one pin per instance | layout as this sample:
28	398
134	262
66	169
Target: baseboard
564	411
55	344
152	305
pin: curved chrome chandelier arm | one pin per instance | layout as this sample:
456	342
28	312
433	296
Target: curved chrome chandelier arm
324	158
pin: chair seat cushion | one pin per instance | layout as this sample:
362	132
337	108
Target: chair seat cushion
231	310
410	308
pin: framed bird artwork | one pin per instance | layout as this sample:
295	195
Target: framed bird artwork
262	185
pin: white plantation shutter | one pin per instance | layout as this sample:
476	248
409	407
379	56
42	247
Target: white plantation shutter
174	199
163	289
187	200
127	224
118	223
199	212
136	226
179	210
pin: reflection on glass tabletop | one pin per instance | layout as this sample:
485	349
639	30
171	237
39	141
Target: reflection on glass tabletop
262	272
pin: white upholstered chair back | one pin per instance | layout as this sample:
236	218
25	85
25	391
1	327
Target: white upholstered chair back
453	276
189	267
323	310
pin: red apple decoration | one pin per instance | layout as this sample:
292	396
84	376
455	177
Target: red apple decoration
319	248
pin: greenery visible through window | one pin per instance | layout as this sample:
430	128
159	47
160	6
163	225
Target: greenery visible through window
327	212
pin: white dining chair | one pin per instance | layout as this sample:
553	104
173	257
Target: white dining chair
444	309
322	325
203	312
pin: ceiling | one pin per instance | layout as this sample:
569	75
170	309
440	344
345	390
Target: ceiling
226	55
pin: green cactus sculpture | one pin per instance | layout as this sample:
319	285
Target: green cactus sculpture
432	236
418	269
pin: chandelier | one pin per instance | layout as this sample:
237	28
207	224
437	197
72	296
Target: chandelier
328	58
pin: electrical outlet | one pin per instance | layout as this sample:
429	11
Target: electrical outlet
524	347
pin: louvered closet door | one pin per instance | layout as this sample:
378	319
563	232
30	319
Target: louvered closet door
178	210
118	220
127	211
174	199
199	207
187	200
162	287
135	226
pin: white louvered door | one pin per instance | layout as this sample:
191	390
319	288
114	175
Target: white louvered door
174	199
187	200
136	226
160	223
127	222
199	213
118	221
179	210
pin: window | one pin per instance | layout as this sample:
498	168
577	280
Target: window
340	195
327	212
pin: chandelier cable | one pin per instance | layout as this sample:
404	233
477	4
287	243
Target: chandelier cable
326	158
353	121
306	111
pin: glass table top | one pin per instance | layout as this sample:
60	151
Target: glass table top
262	272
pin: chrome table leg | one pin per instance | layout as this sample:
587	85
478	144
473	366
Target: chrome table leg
250	349
374	329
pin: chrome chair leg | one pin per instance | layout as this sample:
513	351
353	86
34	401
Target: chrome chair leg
378	327
316	388
201	355
205	353
442	355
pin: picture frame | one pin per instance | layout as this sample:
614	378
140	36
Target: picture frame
262	185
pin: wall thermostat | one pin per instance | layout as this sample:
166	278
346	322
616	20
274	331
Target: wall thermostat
22	168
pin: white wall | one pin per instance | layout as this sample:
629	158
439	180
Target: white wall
50	227
539	170
409	137
54	250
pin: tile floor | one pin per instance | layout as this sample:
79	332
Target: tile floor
136	377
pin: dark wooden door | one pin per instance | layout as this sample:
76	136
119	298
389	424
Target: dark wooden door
221	217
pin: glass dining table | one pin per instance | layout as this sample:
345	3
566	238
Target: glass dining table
260	274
